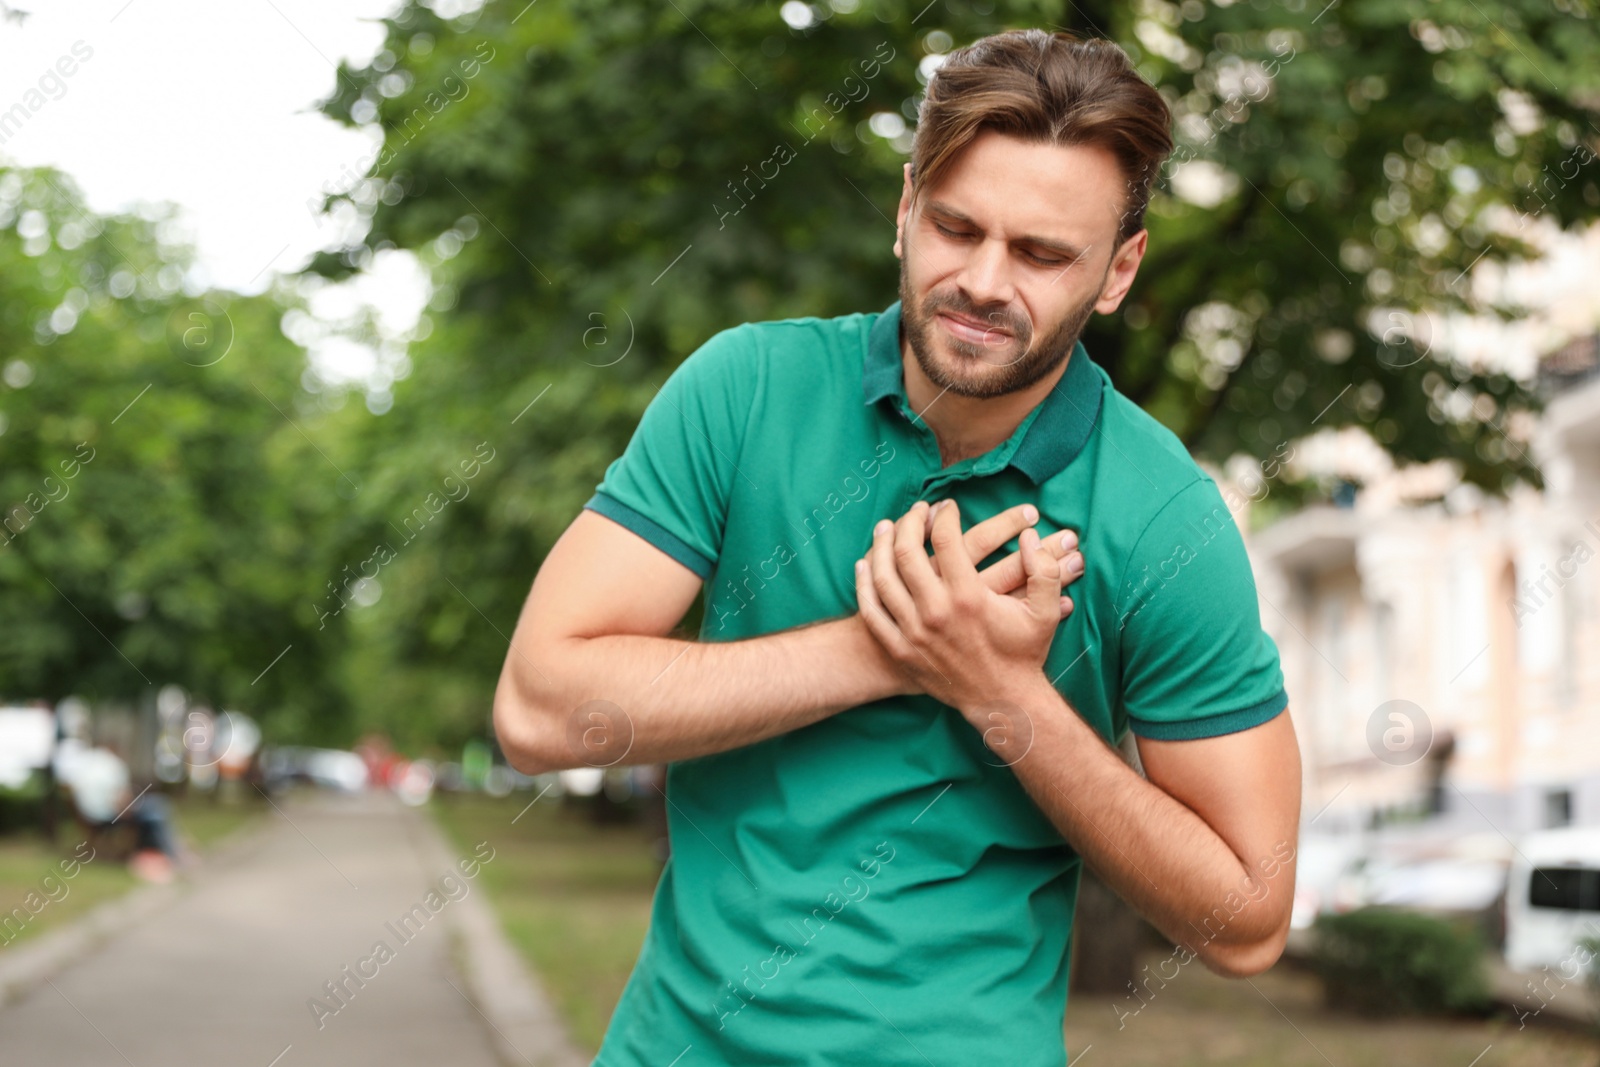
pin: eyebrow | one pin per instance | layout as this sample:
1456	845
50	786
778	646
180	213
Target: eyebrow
1062	248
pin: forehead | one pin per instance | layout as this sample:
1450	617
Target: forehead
1017	188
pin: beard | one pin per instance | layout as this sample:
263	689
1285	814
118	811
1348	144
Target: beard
982	370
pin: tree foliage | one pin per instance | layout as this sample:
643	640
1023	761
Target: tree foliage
1373	149
165	506
1362	147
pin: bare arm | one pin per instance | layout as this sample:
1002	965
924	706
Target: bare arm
593	629
592	679
1204	848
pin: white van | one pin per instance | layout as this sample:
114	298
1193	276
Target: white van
1553	898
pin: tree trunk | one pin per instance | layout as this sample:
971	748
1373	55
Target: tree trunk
1106	938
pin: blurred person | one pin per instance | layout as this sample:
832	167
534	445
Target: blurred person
384	764
102	792
911	766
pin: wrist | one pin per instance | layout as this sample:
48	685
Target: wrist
881	674
1008	717
1027	691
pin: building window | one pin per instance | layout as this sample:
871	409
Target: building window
1558	808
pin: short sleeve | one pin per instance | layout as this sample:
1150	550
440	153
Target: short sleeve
1195	659
672	484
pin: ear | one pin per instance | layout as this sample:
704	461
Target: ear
1120	273
905	209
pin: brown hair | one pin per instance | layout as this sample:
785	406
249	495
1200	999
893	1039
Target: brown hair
1051	88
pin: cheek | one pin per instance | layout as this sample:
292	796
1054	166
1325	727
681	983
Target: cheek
931	261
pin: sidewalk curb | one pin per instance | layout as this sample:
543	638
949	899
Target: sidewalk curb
24	969
527	1030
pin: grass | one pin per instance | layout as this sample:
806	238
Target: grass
573	897
28	858
204	823
1278	1019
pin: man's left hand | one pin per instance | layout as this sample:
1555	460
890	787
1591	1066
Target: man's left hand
954	638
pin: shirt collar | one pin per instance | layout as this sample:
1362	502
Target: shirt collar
1066	416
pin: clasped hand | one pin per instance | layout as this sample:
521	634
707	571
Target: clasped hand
955	633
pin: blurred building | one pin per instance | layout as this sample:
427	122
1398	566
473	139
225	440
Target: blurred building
1471	622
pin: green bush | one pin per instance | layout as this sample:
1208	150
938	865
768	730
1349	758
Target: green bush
1380	961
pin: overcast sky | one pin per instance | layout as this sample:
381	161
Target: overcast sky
206	104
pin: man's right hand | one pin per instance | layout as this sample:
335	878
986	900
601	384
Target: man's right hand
1007	575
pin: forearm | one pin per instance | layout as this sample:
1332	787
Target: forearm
1155	852
639	699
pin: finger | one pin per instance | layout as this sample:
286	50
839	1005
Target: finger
1008	574
877	620
1022	594
933	514
1044	577
956	568
1071	567
994	532
892	592
911	559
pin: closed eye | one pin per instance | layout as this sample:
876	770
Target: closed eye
1043	261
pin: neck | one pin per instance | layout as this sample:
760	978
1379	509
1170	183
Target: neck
968	426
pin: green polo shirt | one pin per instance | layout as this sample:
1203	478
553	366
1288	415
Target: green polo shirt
877	888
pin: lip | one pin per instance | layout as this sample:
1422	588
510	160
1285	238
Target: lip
969	330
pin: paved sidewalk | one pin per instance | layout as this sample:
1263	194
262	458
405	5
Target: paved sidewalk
225	972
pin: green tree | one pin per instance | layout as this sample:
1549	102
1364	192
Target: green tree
1367	148
165	505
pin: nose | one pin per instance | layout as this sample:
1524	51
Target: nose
986	278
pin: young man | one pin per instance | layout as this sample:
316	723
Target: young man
886	768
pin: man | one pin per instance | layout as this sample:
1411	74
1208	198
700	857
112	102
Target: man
878	819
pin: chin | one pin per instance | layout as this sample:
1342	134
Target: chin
964	379
977	361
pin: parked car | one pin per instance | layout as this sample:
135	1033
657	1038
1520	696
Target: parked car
1553	898
327	767
1338	874
1321	863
